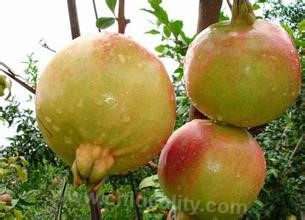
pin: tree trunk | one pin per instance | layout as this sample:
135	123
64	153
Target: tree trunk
73	19
209	11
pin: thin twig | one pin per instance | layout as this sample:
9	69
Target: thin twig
95	12
94	206
230	4
44	44
152	165
10	73
136	208
61	201
297	146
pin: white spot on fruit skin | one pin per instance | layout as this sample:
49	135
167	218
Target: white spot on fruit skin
58	111
55	128
140	65
293	93
68	140
122	58
80	103
48	119
273	88
109	99
214	166
238	174
126	118
247	69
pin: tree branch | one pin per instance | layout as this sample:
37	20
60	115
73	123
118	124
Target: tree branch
61	201
136	208
73	19
122	21
230	4
10	73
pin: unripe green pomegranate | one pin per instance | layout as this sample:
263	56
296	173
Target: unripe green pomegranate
5	84
211	171
243	72
105	105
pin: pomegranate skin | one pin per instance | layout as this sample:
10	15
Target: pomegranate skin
243	75
212	166
108	101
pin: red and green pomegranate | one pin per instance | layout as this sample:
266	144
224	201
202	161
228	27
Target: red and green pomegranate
105	105
243	72
211	171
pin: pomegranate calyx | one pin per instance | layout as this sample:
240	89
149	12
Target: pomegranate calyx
242	13
91	165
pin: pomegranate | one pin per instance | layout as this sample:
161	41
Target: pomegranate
243	72
211	171
5	84
105	105
7	199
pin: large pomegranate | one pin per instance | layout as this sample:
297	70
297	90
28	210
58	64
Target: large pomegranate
105	105
211	171
243	72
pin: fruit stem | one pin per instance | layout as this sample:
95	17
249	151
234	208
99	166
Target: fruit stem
242	13
94	206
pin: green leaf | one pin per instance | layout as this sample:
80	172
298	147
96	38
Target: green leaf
301	26
160	48
104	22
2	189
153	31
111	4
167	31
180	72
223	17
2	205
22	174
14	202
159	12
176	27
151	181
18	214
288	30
256	6
24	162
259	203
300	43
